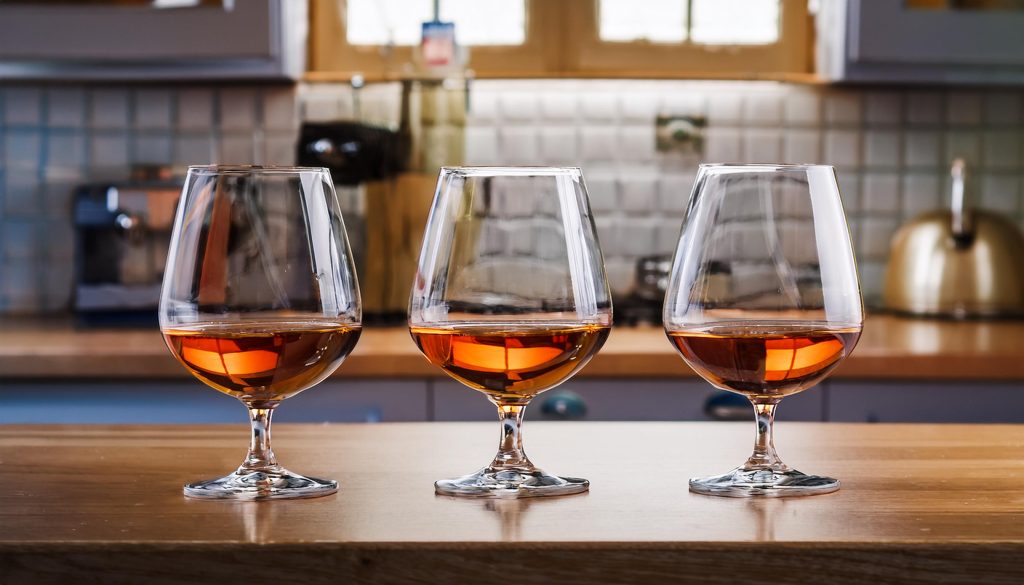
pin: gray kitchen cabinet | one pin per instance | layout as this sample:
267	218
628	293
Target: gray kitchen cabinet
960	402
893	41
617	399
153	402
250	39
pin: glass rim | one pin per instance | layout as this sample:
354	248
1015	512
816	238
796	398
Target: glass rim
765	166
512	170
213	169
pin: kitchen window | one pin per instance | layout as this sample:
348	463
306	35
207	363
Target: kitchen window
741	39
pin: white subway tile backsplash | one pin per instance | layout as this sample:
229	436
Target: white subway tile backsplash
675	102
237	148
726	108
1002	149
666	238
19	239
279	149
238	109
635	237
599	143
639	193
607	234
603	190
1002	108
325	107
883	108
762	146
965	144
482	145
621	275
922	192
558	145
152	149
881	193
850	190
674	193
722	145
922	148
108	109
483	107
763	108
519	145
882	148
842	148
963	109
640	107
66	148
109	150
22	106
195	110
153	109
195	149
65	107
638	143
1001	193
924	108
21	194
20	286
519	106
876	237
280	108
802	108
22	150
843	109
600	106
561	106
801	146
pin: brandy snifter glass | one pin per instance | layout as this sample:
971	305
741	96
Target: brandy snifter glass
260	302
511	300
764	301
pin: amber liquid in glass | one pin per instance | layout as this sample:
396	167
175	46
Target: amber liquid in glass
768	361
262	362
510	363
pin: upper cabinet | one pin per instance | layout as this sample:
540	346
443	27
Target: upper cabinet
153	40
921	41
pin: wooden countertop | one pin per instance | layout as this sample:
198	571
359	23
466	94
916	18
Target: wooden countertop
890	348
919	504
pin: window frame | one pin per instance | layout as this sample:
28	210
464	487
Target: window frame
562	40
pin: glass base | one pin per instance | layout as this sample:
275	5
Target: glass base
490	482
760	483
271	484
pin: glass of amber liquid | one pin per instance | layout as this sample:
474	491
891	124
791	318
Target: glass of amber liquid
260	302
510	299
764	301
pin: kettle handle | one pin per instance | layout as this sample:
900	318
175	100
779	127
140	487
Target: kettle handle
963	212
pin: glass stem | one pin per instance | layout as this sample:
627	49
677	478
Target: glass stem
764	455
510	446
261	457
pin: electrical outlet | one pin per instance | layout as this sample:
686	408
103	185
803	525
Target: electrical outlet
683	134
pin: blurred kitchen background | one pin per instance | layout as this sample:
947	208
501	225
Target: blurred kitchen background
104	103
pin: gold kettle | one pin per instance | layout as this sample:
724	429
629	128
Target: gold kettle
959	263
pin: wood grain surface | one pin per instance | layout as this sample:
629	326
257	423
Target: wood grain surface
919	504
890	348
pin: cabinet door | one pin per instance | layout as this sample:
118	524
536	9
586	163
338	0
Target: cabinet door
953	402
615	400
250	39
153	402
894	40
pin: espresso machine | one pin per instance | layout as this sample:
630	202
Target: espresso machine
122	231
